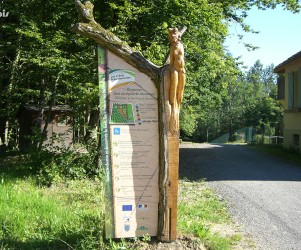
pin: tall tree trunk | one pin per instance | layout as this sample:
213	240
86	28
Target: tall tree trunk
40	112
92	123
10	134
48	118
3	118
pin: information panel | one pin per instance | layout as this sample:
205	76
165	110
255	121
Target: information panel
134	149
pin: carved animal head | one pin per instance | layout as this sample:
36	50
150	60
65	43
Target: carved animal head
174	35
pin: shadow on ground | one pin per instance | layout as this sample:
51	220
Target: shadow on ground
221	162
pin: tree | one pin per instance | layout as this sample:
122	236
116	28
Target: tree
40	47
41	54
263	110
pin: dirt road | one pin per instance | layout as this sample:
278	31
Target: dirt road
263	193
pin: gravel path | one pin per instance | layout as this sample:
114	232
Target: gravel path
263	193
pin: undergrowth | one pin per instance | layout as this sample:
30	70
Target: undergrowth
65	216
59	163
54	199
198	209
51	199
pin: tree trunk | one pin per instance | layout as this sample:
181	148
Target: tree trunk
40	112
51	104
3	117
92	123
10	134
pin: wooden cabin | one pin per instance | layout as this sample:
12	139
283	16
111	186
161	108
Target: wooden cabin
60	124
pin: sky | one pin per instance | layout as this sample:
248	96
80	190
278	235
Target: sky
279	37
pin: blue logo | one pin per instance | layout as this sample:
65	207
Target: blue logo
127	227
127	208
116	131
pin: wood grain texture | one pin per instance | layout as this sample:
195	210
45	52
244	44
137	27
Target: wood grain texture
169	171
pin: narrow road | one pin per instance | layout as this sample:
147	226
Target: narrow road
263	192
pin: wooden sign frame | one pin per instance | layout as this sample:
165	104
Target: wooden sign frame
162	77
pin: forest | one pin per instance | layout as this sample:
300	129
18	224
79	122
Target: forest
44	63
53	197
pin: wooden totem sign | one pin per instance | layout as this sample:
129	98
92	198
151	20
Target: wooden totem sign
140	105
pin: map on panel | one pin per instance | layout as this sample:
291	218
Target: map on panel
122	114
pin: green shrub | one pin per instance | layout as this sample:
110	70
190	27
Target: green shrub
56	163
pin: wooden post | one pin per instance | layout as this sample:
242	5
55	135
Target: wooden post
172	185
169	177
173	88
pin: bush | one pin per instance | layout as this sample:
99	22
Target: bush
56	163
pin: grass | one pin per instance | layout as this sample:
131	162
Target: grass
65	216
200	210
69	214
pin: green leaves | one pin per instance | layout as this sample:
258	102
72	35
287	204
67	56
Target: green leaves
39	47
46	48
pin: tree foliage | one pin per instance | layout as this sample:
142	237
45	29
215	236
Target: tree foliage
40	53
37	48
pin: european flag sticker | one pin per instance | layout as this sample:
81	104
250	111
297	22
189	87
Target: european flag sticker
116	131
142	207
127	208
